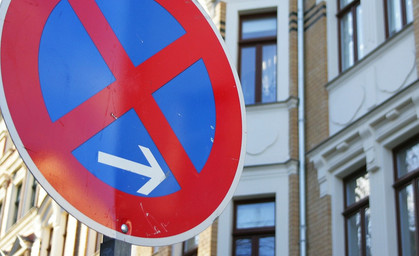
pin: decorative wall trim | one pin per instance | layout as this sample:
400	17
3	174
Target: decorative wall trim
314	14
386	126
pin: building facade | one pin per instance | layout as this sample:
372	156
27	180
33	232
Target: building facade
363	166
361	124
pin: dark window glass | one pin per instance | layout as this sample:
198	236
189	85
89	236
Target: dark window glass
51	236
357	214
16	203
1	213
258	58
190	246
33	193
254	228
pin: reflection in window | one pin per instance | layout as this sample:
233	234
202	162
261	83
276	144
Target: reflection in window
407	190
357	214
255	215
267	246
360	36
407	160
254	229
399	13
407	220
357	188
354	234
350	30
248	67
412	158
243	247
259	28
347	41
258	58
269	73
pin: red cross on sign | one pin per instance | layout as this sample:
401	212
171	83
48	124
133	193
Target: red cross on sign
127	112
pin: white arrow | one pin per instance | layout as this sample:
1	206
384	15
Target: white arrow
154	171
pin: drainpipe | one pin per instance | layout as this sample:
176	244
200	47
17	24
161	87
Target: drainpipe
301	131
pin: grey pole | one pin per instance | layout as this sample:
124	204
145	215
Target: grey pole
113	247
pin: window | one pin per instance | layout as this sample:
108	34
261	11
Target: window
258	58
65	224
357	214
399	13
350	32
1	213
16	203
190	246
50	237
406	187
254	228
77	238
33	193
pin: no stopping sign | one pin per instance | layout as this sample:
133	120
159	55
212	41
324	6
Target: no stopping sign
127	112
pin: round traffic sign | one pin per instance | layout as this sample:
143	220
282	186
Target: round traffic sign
128	113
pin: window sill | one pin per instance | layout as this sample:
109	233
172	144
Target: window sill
290	103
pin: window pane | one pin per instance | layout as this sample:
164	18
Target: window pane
257	28
394	11
16	203
33	193
359	31
368	231
409	11
354	235
357	188
269	60
407	220
243	247
347	41
408	159
255	215
267	246
247	73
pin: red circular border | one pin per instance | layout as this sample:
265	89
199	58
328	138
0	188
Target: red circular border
147	217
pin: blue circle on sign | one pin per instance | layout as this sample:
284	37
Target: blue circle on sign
71	73
71	69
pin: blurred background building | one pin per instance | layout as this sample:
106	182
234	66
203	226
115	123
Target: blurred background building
359	142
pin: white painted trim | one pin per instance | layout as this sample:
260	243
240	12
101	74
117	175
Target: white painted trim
368	141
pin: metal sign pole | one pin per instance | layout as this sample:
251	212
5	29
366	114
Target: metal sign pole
113	247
